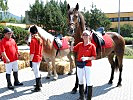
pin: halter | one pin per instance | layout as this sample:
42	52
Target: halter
72	23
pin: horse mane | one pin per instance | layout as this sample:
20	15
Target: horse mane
45	35
82	21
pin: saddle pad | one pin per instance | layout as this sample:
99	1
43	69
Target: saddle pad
108	41
64	44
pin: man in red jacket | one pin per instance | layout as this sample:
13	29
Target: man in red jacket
9	52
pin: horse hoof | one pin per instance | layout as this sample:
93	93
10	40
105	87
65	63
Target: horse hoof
47	77
74	91
70	73
110	82
55	78
118	85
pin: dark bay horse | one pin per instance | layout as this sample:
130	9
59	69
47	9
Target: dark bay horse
77	26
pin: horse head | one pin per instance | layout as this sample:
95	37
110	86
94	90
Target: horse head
76	20
73	18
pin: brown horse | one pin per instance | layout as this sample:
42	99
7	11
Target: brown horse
50	50
77	26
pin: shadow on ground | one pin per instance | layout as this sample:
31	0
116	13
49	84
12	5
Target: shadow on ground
98	90
16	94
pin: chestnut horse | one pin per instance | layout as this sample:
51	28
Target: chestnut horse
50	51
77	26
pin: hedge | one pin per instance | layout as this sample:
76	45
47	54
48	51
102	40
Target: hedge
20	35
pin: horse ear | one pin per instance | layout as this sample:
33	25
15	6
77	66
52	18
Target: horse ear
68	7
77	7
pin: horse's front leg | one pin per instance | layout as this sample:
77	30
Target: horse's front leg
71	64
54	70
48	68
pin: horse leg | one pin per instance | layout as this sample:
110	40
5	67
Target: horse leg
71	64
111	61
120	79
49	69
54	70
74	90
120	59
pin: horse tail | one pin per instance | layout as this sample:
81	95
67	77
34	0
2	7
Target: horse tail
116	63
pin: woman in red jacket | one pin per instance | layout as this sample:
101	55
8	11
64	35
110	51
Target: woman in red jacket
86	52
36	48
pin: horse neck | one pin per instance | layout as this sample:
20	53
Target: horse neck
79	30
78	34
45	35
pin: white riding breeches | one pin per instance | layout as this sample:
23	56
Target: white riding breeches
35	67
11	66
85	73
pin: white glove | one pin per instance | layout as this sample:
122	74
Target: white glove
84	58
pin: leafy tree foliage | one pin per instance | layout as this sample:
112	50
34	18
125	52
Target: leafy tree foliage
63	7
3	5
126	30
53	16
96	18
36	12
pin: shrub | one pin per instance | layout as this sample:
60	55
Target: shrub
128	40
19	35
128	51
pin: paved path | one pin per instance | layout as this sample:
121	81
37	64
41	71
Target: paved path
60	89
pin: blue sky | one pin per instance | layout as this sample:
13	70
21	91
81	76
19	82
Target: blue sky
18	7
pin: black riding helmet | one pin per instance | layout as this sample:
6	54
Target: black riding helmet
33	30
6	30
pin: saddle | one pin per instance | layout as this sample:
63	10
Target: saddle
61	43
101	30
58	42
98	38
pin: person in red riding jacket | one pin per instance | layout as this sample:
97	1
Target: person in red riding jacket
0	51
36	48
9	52
86	52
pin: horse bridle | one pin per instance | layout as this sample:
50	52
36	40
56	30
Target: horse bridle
72	23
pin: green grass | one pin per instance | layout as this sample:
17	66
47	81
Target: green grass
128	57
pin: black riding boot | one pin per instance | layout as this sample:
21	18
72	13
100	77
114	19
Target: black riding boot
89	92
16	81
81	92
37	86
40	83
9	84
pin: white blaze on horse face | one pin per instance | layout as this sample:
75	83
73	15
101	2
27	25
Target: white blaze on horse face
71	19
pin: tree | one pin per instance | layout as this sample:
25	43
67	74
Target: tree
53	16
63	7
36	13
3	5
126	30
96	18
